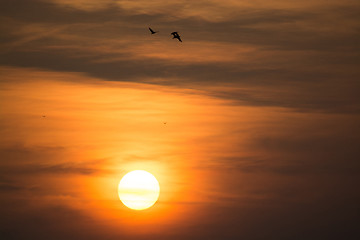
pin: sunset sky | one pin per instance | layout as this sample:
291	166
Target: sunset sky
261	102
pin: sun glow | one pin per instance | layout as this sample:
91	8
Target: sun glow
138	190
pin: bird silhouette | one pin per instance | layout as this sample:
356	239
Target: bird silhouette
176	35
152	31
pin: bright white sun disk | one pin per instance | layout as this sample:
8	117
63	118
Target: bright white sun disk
138	190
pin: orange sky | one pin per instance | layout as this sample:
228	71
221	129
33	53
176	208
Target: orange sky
260	102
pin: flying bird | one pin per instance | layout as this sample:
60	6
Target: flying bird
176	35
152	31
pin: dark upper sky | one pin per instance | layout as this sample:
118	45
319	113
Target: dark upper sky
261	101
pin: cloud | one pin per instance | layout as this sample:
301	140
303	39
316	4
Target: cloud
277	55
261	101
66	168
8	187
42	221
43	160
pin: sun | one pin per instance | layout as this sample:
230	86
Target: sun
138	190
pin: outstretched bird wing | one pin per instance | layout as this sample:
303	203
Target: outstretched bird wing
152	31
